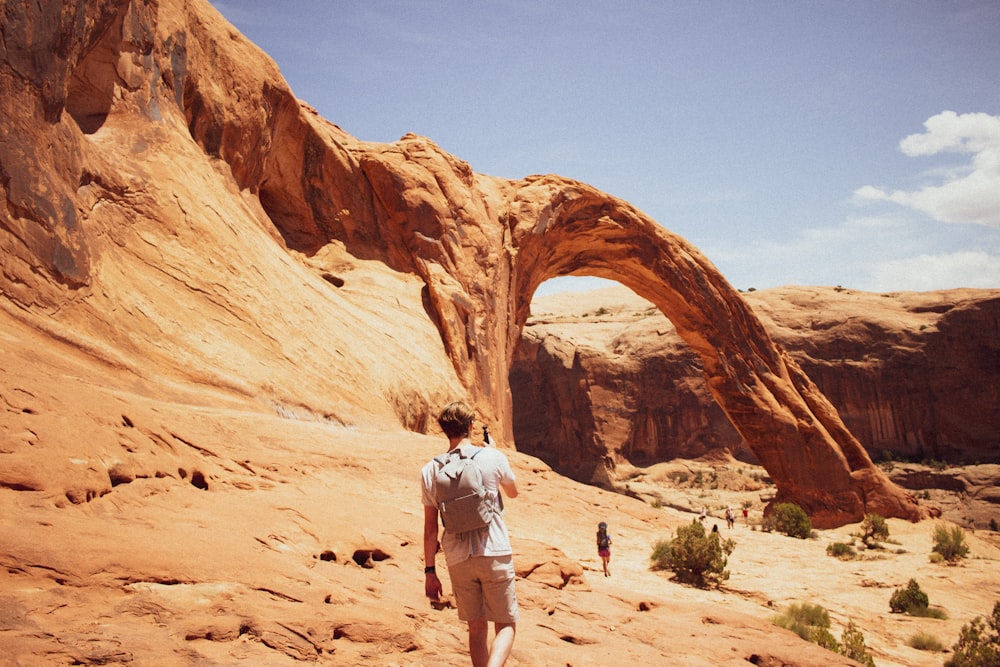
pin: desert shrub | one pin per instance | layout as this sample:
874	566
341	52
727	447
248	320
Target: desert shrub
950	543
874	529
978	643
792	520
840	550
929	612
852	645
809	621
695	557
924	641
994	526
911	597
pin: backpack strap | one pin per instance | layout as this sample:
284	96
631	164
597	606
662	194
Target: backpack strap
462	454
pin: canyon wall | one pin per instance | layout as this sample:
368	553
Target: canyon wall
603	377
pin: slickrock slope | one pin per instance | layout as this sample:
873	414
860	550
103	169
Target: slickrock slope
603	378
198	530
213	533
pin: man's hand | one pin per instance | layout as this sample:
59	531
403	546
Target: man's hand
432	586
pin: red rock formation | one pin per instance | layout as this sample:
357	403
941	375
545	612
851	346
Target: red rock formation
168	206
914	375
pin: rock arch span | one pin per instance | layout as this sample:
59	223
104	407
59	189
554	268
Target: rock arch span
561	227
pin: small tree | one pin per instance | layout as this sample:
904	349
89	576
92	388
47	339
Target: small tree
852	645
695	557
978	644
874	529
950	543
792	520
910	600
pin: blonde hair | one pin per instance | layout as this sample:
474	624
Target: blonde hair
456	419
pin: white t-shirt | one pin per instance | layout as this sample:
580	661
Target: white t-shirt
492	542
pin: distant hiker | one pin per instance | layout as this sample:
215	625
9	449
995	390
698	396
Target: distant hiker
704	513
480	559
604	546
730	517
746	515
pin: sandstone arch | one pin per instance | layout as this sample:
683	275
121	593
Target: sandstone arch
561	227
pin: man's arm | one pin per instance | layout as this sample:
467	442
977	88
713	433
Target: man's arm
510	488
432	585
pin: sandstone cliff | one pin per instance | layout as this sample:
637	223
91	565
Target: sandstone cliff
603	378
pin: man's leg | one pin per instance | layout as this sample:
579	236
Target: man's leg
479	630
503	642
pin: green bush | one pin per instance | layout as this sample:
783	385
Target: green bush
852	645
874	529
929	612
792	520
978	644
950	543
695	557
923	641
909	598
812	623
840	550
809	621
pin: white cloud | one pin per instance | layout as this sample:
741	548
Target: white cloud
893	252
933	272
970	194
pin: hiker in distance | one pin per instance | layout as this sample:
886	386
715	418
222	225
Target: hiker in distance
463	487
604	546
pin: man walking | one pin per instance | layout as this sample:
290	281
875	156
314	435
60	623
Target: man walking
480	561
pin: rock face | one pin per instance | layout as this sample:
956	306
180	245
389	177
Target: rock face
914	376
170	209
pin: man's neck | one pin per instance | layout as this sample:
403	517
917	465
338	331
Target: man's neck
458	442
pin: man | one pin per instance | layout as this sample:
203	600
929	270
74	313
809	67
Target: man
480	562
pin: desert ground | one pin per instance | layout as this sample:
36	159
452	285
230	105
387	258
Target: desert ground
311	552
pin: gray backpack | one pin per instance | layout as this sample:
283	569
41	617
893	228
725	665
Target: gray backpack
462	499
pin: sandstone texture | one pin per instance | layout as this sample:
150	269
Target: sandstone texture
603	378
226	326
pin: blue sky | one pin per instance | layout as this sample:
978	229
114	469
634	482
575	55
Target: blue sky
794	143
